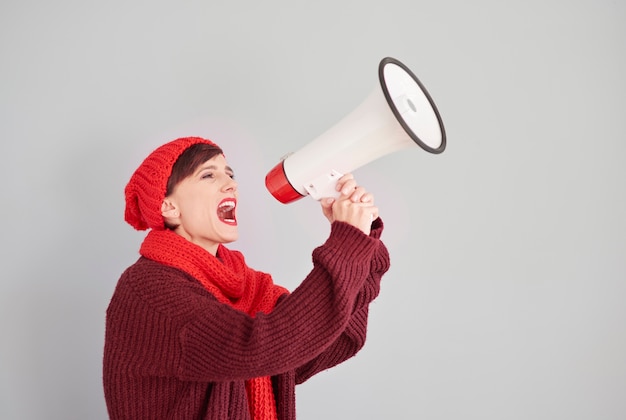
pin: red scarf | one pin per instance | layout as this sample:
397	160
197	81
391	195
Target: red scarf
233	283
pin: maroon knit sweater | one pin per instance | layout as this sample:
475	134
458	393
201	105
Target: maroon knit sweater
172	351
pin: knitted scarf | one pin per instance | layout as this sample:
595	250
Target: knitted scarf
233	283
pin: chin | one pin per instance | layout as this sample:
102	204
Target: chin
229	239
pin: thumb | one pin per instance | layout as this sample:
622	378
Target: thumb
327	207
327	202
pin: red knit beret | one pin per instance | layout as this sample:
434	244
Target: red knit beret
146	189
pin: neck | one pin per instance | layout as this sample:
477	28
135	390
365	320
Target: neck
209	246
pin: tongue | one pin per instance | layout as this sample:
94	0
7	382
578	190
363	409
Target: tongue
225	213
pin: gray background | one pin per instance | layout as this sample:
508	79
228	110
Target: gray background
505	299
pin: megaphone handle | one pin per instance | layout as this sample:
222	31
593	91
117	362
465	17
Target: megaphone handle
324	185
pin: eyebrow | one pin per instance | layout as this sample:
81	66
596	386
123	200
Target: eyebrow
214	168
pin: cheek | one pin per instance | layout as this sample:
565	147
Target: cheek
197	211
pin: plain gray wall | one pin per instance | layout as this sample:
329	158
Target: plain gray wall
506	295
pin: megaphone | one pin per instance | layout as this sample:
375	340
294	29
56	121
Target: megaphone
399	114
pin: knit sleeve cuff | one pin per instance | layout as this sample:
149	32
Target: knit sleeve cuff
347	253
345	238
377	228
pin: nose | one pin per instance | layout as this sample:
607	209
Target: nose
229	184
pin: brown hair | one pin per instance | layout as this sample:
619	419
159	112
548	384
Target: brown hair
186	164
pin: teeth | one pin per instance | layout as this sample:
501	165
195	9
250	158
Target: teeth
226	211
227	205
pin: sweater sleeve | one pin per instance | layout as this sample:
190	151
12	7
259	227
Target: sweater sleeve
353	337
163	323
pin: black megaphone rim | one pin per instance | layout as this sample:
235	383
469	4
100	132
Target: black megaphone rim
414	137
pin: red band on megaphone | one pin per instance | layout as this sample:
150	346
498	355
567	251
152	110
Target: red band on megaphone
277	183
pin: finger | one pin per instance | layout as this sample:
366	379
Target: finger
367	198
343	180
327	202
357	194
346	177
348	187
327	208
361	195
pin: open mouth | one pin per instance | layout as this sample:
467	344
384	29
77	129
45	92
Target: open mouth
226	211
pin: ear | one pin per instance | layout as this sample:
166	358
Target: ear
169	210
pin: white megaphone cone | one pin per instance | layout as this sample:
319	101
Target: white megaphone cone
399	114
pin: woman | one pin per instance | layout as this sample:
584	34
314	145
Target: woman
193	333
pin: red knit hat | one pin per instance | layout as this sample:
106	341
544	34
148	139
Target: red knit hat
146	189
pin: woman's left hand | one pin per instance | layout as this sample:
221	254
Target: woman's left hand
354	206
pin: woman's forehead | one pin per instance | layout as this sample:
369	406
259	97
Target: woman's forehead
217	162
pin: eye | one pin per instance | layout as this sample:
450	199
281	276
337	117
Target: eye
231	175
207	175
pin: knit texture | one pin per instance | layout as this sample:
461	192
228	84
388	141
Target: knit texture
226	276
147	186
173	350
233	283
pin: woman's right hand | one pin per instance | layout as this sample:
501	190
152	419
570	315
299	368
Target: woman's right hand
354	206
